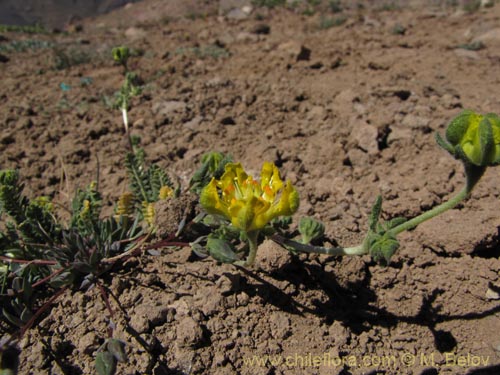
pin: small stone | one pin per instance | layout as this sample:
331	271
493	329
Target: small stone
236	14
88	343
414	121
245	36
166	108
492	295
280	325
471	55
398	133
135	33
489	37
189	333
194	123
365	136
295	50
271	256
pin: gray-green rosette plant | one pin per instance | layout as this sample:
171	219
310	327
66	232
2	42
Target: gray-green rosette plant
471	138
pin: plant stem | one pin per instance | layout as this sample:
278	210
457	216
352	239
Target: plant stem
473	174
335	251
252	244
125	123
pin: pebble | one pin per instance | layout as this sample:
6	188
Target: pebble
135	33
365	136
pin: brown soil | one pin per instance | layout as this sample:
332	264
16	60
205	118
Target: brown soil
352	119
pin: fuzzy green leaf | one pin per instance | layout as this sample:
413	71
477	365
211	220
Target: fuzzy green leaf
105	363
310	229
383	248
221	250
444	145
375	214
457	127
117	349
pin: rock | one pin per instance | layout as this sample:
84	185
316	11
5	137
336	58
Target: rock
317	113
88	343
295	50
492	295
345	99
271	256
194	123
365	136
357	157
3	59
280	325
167	108
471	55
487	3
398	133
245	36
304	54
236	14
135	33
415	122
189	333
226	6
489	37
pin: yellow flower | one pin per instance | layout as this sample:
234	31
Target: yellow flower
247	203
165	192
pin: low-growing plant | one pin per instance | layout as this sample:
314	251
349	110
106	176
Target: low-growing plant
245	210
329	22
24	45
28	29
268	3
37	248
66	58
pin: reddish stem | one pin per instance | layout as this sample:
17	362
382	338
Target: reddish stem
34	261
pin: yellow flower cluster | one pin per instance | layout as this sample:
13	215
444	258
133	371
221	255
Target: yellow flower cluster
248	203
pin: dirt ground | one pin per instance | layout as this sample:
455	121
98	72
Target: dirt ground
346	104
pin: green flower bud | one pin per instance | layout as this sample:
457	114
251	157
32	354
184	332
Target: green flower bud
121	54
474	138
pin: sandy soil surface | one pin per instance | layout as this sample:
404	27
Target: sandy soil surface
346	104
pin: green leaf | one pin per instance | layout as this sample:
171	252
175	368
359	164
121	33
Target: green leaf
26	315
105	363
11	318
444	145
487	141
310	229
375	214
393	223
458	127
221	250
383	247
117	349
212	166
